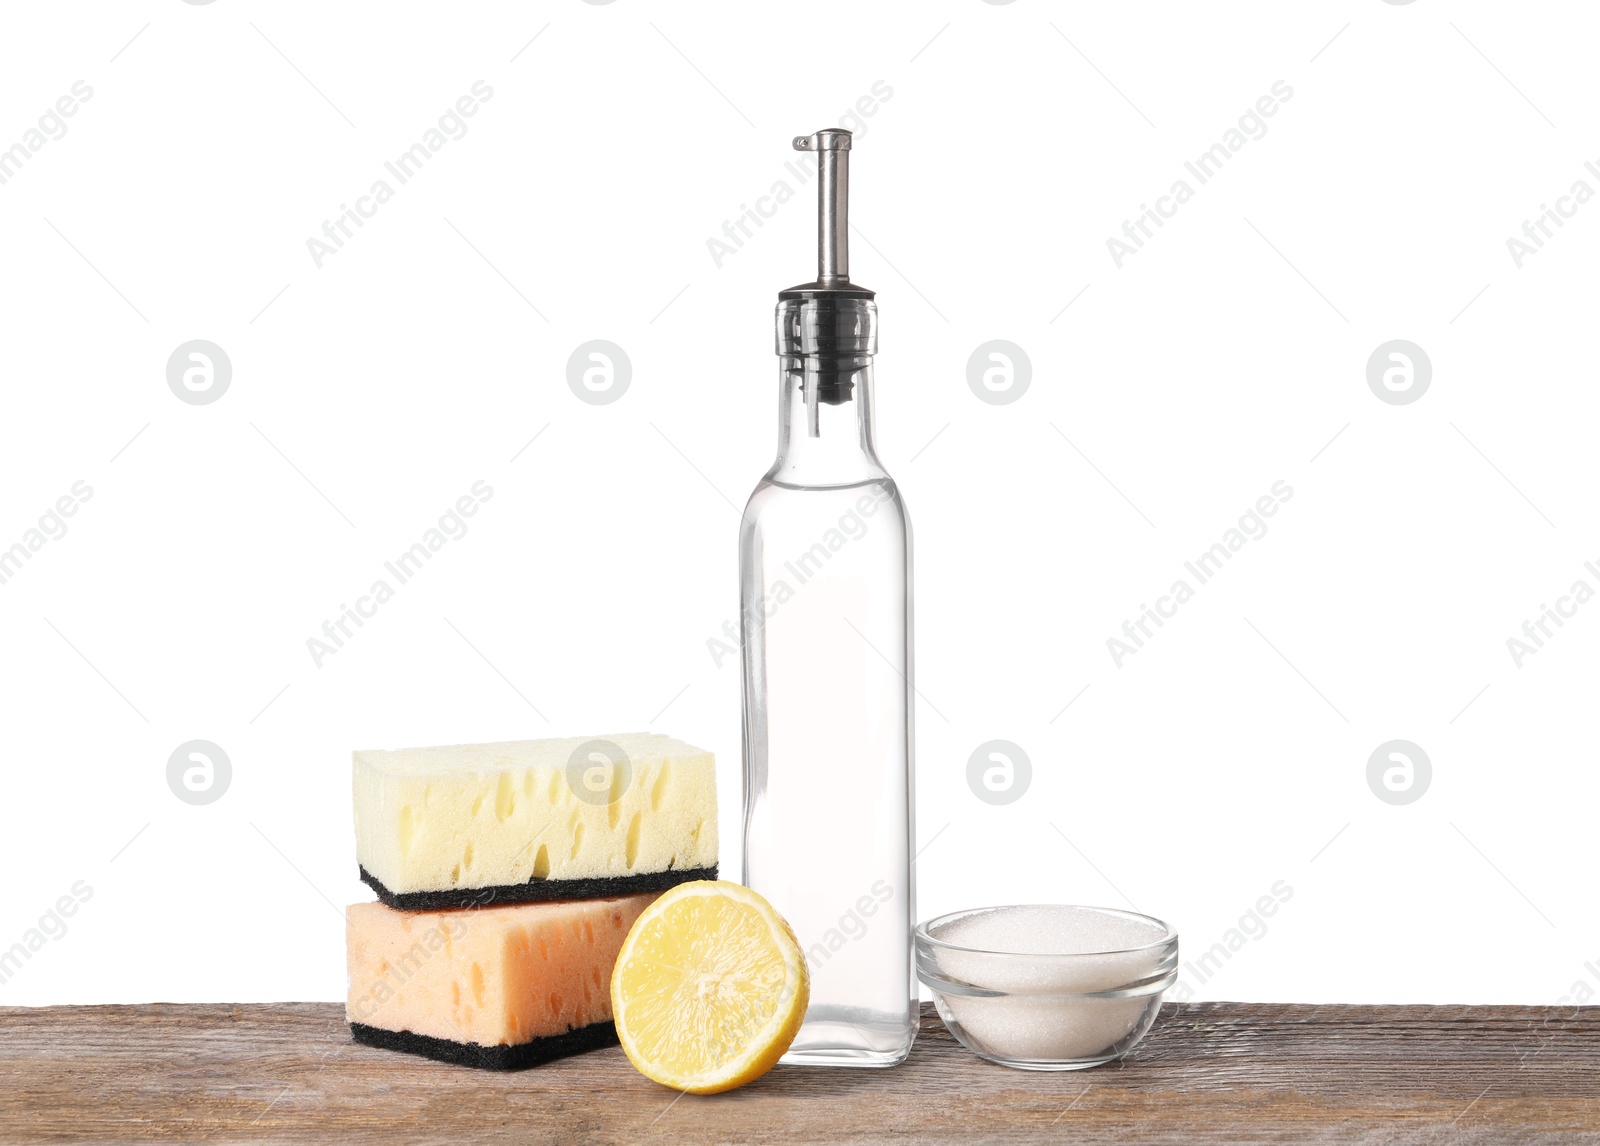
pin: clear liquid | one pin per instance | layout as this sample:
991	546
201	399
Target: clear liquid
827	623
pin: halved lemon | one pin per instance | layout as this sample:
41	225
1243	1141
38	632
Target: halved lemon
709	989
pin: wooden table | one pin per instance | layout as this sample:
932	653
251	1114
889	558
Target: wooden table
1208	1072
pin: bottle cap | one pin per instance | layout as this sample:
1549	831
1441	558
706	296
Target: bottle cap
831	324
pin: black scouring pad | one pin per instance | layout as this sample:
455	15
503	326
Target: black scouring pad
535	890
518	1057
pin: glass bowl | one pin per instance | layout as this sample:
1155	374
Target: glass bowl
1047	987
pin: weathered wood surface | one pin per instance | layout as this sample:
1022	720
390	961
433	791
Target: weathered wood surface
1208	1072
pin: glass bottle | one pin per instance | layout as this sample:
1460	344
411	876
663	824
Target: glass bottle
825	608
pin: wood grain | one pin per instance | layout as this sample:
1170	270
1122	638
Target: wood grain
1207	1073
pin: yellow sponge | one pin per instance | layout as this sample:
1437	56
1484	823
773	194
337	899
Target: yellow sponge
531	820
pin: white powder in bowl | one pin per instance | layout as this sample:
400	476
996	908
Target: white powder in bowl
1047	930
1052	956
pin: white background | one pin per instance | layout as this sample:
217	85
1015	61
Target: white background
1230	353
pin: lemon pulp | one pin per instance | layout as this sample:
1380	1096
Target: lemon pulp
709	989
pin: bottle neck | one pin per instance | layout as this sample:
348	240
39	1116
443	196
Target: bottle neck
826	338
825	423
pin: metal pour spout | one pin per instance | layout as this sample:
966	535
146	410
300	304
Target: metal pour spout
832	146
827	329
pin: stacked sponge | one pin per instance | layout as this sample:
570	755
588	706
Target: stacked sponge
509	875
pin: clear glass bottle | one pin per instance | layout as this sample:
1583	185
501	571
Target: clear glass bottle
825	587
